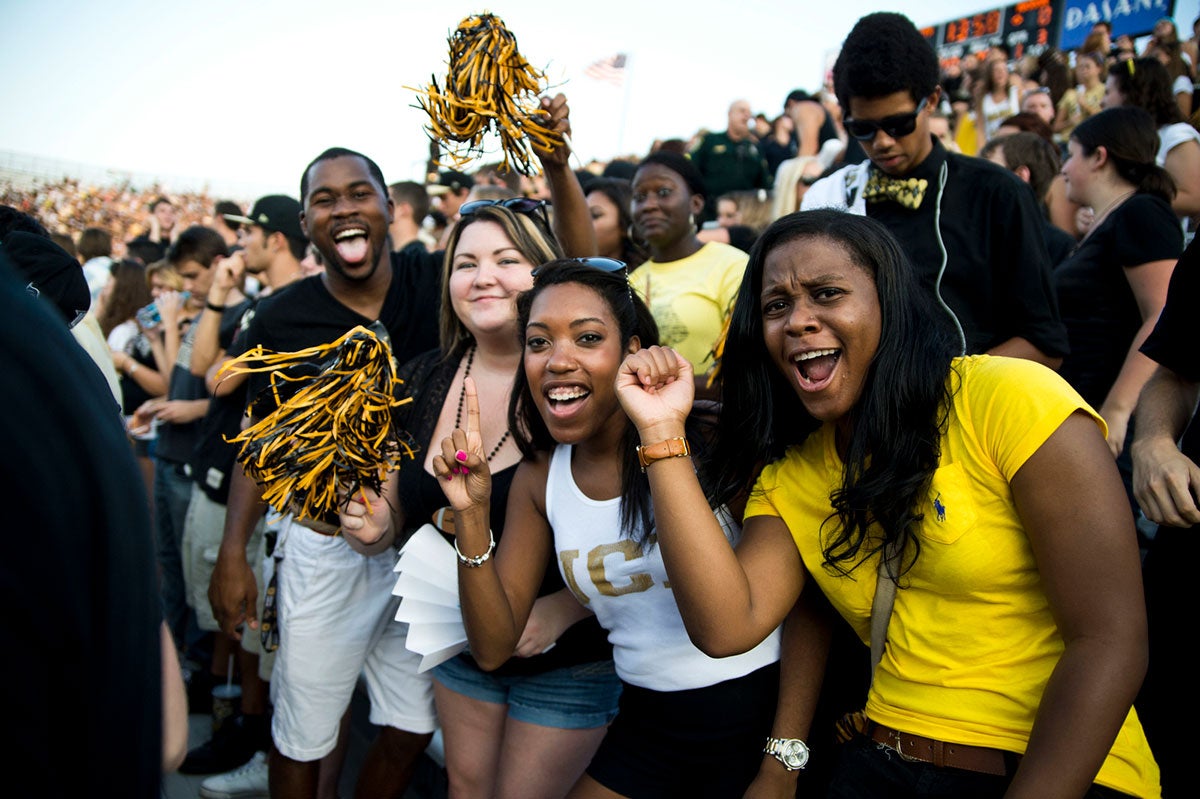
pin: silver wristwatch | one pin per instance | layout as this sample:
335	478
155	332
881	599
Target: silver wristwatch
791	752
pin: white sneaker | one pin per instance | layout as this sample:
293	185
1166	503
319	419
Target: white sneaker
247	782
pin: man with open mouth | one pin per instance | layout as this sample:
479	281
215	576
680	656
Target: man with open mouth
335	606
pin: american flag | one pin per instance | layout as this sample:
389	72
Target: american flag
610	70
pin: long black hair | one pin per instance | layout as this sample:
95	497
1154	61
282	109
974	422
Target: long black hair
896	424
633	319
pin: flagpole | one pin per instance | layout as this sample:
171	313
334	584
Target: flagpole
626	83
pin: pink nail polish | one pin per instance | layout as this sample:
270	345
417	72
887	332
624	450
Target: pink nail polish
460	456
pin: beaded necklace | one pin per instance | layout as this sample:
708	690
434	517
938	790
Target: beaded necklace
462	396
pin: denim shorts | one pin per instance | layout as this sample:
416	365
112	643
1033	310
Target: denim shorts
580	697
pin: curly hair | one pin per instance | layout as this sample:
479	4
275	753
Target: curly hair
896	423
1145	83
634	319
884	54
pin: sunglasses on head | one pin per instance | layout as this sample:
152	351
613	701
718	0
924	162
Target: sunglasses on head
603	264
896	126
519	205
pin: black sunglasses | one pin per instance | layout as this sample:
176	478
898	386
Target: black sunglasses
603	264
520	205
896	126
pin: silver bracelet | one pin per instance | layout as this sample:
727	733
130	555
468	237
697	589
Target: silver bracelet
478	560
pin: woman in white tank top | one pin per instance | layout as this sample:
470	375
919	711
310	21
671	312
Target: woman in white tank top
580	500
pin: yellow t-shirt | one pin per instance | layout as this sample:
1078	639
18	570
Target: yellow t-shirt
690	297
971	640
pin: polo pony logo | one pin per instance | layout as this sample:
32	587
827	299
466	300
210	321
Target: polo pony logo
939	507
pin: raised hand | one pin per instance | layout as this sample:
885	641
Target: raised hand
170	303
656	388
462	467
557	118
228	277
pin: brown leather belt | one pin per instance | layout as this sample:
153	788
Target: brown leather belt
940	753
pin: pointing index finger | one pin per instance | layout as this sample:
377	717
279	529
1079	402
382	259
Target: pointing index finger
472	406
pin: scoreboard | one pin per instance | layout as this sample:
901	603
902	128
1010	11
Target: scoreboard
1026	28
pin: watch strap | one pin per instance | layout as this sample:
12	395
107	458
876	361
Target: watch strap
775	748
669	448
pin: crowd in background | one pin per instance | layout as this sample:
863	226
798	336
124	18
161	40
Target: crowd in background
980	91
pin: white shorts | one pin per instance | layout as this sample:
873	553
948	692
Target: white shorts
203	527
336	620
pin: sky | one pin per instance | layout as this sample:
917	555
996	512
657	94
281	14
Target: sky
244	94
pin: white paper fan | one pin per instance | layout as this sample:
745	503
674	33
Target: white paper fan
427	584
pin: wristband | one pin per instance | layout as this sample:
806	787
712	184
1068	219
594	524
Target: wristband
131	368
214	308
478	560
670	448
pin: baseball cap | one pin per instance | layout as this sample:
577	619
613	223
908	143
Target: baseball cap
450	181
275	212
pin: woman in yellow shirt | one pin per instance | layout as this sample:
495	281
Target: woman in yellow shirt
688	285
1017	639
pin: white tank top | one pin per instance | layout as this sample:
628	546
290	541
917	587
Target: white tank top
626	587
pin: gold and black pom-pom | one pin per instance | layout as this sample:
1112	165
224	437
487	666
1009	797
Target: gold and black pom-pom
332	436
489	86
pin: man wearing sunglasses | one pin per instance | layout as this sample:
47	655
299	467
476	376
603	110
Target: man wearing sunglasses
970	228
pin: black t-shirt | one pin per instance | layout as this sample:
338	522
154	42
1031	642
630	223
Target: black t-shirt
307	315
997	277
1175	341
132	394
1097	304
82	685
775	153
212	459
427	379
1059	243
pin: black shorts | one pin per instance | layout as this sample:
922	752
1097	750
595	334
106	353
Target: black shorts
702	742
